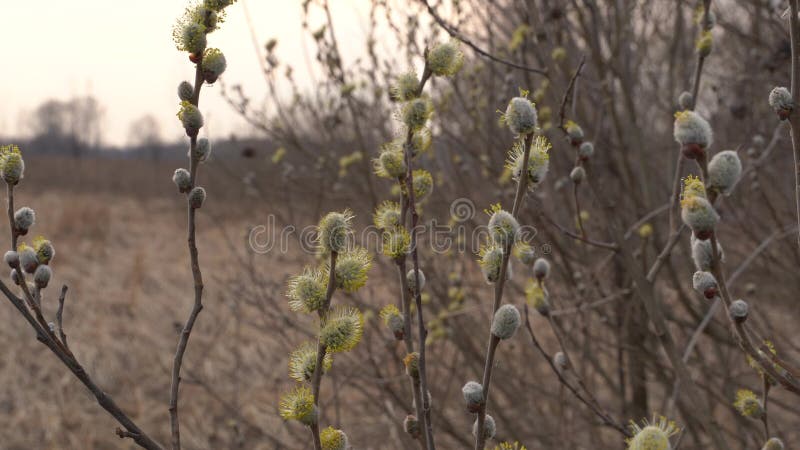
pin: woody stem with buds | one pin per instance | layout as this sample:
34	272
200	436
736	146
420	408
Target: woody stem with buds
425	420
316	377
197	277
794	118
522	184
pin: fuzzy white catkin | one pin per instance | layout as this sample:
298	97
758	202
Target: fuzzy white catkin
473	394
24	218
521	116
578	174
412	282
724	171
503	228
489	427
185	91
506	321
692	128
196	197
586	150
780	99
541	268
12	259
42	276
182	179
699	215
739	310
701	253
202	149
28	259
704	282
15	277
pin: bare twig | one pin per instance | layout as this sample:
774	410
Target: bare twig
794	118
453	31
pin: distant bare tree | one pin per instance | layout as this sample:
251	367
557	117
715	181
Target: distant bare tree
145	133
74	124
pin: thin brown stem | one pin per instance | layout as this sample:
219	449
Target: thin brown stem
197	277
316	377
522	183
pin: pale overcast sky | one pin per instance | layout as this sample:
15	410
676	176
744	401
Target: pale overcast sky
122	53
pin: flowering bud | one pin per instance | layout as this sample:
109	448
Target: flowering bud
536	296
411	361
405	87
773	444
12	166
685	100
352	268
299	405
423	184
196	197
333	230
748	404
192	38
27	258
541	268
578	174
585	151
411	426
780	99
191	118
24	218
202	149
213	65
489	427
652	436
333	439
15	277
342	329
445	59
525	253
415	113
387	215
506	321
394	320
303	362
12	259
183	180
704	44
693	132
503	228
698	214
390	163
739	310
491	258
412	281
185	91
307	291
44	250
705	283
520	116
42	276
473	395
724	171
574	132
538	161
